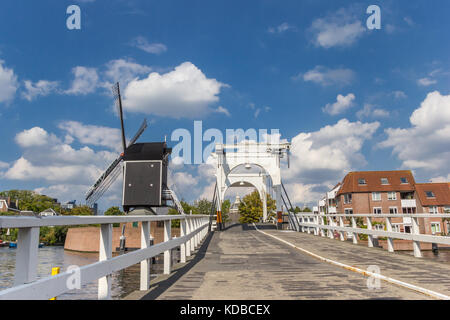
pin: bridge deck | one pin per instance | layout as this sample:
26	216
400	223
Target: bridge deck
243	263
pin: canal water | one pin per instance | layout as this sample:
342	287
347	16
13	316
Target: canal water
123	282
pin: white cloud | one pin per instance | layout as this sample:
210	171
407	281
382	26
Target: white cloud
143	44
339	29
183	92
281	28
327	77
399	94
324	156
39	88
426	144
8	83
33	137
124	71
93	135
223	110
342	104
85	81
370	111
426	82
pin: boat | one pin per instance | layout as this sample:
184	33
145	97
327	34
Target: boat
13	245
4	243
41	245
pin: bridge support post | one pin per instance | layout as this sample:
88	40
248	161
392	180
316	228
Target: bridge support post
330	231
183	245
104	284
369	237
341	233
317	229
192	228
390	241
416	244
27	255
167	253
354	234
322	222
145	264
188	243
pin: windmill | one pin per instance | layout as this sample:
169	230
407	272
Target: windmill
144	167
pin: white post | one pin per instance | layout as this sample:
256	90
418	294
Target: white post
183	245
188	231
167	253
317	221
322	222
27	255
341	224
416	244
145	264
354	234
369	237
330	231
390	241
104	284
192	228
196	235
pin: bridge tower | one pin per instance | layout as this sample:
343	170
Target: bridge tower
247	154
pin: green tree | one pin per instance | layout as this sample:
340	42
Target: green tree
30	200
250	208
203	206
114	211
226	210
81	211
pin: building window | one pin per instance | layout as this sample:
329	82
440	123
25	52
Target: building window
376	196
435	227
1	204
348	211
447	209
379	227
433	209
430	194
403	180
407	229
347	198
396	228
392	195
384	181
393	210
362	181
135	224
377	210
409	210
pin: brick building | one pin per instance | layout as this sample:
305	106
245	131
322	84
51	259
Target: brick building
434	198
7	205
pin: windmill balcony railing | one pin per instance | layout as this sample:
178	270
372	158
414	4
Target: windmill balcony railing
193	229
326	225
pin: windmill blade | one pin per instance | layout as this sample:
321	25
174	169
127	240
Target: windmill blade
104	182
118	99
139	132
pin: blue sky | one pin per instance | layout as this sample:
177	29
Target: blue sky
349	98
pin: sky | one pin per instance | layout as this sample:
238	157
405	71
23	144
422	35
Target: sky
347	97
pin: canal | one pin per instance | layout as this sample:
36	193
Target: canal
124	282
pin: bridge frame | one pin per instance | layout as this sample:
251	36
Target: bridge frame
264	155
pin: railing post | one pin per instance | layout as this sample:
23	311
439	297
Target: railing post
145	264
322	222
390	241
188	231
183	245
105	253
341	224
330	231
192	228
167	253
308	229
354	234
416	244
196	229
369	236
27	255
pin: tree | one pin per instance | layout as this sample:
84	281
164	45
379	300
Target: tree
30	200
226	210
81	211
251	209
203	206
114	211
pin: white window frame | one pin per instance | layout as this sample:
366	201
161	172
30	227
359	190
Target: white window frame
348	198
1	204
392	193
401	182
346	211
373	196
396	209
436	224
433	209
387	181
376	208
396	227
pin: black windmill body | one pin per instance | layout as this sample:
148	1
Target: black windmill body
144	167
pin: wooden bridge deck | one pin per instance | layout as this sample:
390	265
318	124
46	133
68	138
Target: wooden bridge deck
244	264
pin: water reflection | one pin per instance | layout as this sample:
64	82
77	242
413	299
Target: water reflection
123	282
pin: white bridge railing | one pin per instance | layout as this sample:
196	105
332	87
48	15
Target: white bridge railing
193	228
325	225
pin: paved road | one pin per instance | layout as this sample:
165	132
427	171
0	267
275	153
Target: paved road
244	264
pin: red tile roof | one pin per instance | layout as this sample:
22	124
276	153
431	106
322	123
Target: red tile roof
373	181
440	190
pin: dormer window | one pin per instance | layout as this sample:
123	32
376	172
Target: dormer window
384	181
362	181
430	194
403	180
